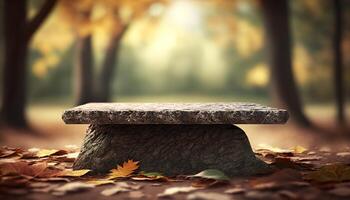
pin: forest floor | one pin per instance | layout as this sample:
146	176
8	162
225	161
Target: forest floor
308	163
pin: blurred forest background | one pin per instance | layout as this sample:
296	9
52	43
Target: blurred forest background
293	54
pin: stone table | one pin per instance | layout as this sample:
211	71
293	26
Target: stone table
171	138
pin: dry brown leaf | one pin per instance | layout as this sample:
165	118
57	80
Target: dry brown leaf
152	176
47	189
330	173
305	158
120	187
73	173
175	190
288	194
71	187
114	190
46	152
208	196
267	186
39	184
124	171
287	162
341	191
70	157
236	190
343	154
25	169
5	152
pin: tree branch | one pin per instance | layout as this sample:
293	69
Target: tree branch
39	18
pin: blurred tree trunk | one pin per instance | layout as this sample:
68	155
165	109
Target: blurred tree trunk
105	80
276	14
18	33
338	60
84	70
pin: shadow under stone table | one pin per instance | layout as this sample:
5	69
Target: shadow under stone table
171	138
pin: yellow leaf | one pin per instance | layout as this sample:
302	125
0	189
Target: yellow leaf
74	173
48	152
123	171
299	149
97	182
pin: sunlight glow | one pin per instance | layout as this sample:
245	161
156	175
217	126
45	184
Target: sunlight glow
185	14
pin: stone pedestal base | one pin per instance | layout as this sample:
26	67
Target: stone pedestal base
170	149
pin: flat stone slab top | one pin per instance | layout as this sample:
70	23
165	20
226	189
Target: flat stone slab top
174	113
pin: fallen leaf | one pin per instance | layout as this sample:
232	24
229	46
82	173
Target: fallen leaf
150	176
114	190
305	158
175	190
298	184
208	196
70	157
236	190
267	186
287	162
39	184
28	155
340	191
123	171
47	189
71	187
274	149
330	173
288	194
73	173
99	182
120	187
343	154
299	149
49	152
24	168
5	152
206	183
212	174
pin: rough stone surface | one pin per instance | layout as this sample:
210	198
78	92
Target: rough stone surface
169	149
174	113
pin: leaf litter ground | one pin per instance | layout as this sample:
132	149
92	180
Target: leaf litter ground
298	173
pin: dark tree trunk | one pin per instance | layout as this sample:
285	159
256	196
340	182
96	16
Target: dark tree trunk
14	80
18	33
276	14
338	60
84	70
105	80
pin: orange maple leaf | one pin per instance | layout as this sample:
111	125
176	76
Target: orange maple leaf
125	170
